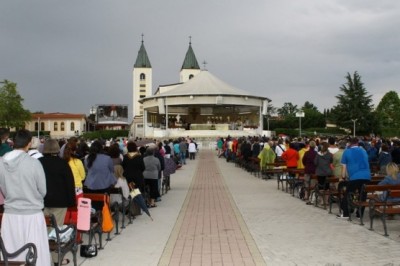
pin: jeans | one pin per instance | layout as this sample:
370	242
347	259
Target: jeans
352	186
183	157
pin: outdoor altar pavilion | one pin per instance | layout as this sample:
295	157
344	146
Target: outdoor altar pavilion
203	106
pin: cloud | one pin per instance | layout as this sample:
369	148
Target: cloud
67	56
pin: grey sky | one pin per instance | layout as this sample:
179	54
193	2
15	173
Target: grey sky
69	55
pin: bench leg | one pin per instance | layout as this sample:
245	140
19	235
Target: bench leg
383	217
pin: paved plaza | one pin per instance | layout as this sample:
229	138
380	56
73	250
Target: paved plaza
218	214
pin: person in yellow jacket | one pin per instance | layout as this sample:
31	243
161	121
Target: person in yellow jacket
302	151
78	171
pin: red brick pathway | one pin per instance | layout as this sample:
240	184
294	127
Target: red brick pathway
210	230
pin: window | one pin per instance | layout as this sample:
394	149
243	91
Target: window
36	126
62	126
55	126
142	96
143	85
42	126
191	76
142	90
142	76
72	126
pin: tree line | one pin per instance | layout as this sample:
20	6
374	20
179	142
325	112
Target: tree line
354	108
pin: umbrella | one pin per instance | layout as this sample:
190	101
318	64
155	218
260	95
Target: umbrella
142	204
138	198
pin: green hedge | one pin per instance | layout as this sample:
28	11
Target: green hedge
106	134
390	132
309	131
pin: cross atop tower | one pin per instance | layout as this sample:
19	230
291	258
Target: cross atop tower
142	38
190	39
204	65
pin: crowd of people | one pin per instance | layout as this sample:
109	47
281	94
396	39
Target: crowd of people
353	160
48	176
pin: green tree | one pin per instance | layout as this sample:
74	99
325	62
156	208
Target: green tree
387	110
12	113
312	117
354	104
288	109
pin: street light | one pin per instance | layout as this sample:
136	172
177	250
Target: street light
93	113
354	127
300	114
38	127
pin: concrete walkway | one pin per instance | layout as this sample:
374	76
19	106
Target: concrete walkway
218	214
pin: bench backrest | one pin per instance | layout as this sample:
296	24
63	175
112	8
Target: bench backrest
95	197
394	193
380	188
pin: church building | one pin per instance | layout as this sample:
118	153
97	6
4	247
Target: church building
200	105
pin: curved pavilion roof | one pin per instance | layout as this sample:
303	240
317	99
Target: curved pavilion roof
203	83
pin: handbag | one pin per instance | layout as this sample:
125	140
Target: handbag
134	192
64	236
107	224
88	251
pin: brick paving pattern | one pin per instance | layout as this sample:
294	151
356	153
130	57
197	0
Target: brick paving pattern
210	232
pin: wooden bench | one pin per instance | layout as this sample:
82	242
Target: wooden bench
123	208
297	177
30	258
332	194
271	169
253	166
385	207
355	201
96	219
114	209
58	245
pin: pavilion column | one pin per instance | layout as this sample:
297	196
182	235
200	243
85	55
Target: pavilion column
144	123
261	121
166	117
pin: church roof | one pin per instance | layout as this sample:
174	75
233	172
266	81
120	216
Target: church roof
190	61
204	83
142	59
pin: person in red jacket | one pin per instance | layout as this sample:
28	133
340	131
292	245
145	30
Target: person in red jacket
291	156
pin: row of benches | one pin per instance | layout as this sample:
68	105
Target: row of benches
291	180
58	245
63	247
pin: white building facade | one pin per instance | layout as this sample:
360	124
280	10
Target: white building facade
201	105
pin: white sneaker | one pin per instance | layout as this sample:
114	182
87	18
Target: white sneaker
340	216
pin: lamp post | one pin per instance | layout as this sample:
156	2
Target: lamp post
354	127
300	114
38	127
93	114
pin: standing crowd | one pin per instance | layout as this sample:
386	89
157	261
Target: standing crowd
352	160
47	177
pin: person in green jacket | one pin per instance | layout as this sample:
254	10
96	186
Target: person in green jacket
266	156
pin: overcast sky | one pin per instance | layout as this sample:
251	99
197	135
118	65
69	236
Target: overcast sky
67	56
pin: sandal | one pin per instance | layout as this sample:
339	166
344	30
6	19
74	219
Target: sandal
65	262
152	206
309	203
